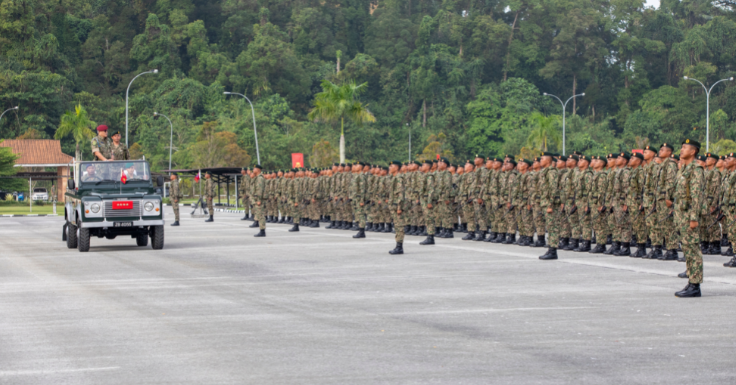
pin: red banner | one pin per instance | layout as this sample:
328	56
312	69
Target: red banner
297	160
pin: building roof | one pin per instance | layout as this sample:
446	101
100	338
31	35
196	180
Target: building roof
37	152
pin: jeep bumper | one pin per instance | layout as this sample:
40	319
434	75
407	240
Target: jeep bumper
141	223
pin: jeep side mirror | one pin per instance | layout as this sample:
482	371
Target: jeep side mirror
70	184
159	181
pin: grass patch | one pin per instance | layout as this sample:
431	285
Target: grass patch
25	209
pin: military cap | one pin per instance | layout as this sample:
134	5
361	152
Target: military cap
624	155
509	156
527	161
637	155
343	164
258	166
511	161
584	157
700	158
115	133
384	168
102	127
675	157
731	155
692	143
649	148
667	145
349	164
578	153
612	156
536	159
336	164
552	154
427	161
434	160
573	157
468	161
712	155
562	158
478	156
130	164
444	160
396	162
175	173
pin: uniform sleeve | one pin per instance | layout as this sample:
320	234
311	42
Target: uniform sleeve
696	192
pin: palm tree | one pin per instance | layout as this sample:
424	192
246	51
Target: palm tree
76	124
339	102
545	132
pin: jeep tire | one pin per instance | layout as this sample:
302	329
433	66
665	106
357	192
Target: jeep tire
71	236
141	239
157	237
83	241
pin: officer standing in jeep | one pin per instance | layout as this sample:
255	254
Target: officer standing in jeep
101	144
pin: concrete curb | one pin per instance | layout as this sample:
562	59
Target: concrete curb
28	215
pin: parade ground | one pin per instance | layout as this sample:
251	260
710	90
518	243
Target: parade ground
218	306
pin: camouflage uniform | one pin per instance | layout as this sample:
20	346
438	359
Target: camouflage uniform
550	198
466	181
209	191
712	192
688	203
119	152
665	228
634	200
259	195
584	213
397	200
566	185
596	199
357	197
479	179
103	145
538	212
651	171
622	229
175	196
510	187
522	201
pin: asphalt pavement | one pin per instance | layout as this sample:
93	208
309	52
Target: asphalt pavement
218	306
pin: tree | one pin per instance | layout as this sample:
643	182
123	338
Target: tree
339	102
545	132
217	149
436	145
323	154
78	125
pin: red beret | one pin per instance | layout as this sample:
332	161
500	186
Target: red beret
102	127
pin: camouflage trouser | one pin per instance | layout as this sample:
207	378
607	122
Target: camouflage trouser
491	221
316	210
526	221
175	207
399	223
444	214
666	225
500	217
729	226
210	206
651	224
638	224
690	239
360	215
584	223
480	215
245	205
430	217
622	232
611	222
711	234
260	215
600	225
539	225
469	215
511	220
552	222
417	216
565	228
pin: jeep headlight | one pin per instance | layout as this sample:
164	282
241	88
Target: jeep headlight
148	206
95	208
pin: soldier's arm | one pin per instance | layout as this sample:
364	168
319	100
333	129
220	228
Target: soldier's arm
696	188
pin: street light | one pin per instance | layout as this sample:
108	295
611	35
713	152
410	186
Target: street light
409	127
253	112
563	115
707	106
9	109
171	140
126	101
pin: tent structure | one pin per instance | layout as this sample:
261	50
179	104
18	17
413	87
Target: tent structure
220	175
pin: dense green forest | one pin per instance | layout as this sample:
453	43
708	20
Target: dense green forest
460	76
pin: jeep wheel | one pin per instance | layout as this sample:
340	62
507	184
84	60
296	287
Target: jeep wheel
141	239
71	236
157	237
63	231
83	241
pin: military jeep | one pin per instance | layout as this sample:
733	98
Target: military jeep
111	199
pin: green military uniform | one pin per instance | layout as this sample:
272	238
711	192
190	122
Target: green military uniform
258	198
597	201
428	196
175	195
584	213
550	200
103	145
209	191
397	201
119	152
688	201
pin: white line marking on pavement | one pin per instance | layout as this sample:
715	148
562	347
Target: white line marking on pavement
8	373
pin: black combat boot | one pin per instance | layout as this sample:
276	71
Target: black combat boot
254	224
294	228
656	253
703	248
261	233
624	251
282	220
491	236
563	243
731	263
315	224
449	233
469	236
361	233
176	223
480	236
423	231
728	252
378	227
500	238
212	219
690	291
641	252
389	228
411	230
609	239
599	249
521	241
463	228
574	243
331	225
441	233
244	218
551	254
540	242
682	275
615	247
428	241
670	255
715	248
290	220
585	247
724	241
369	226
593	240
399	249
648	244
510	239
355	227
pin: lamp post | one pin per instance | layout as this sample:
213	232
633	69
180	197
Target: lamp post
564	105
253	113
9	109
707	106
409	127
171	140
126	101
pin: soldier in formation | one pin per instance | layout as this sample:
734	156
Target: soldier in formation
175	195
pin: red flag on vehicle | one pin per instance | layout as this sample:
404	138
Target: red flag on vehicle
123	178
197	177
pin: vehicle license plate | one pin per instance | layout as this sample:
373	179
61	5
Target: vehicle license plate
122	224
122	205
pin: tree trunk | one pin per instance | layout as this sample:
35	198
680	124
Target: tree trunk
574	86
77	153
508	49
342	140
424	113
338	64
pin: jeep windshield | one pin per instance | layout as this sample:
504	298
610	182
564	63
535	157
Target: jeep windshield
114	172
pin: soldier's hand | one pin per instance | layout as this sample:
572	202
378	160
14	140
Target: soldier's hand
296	204
258	203
398	211
314	201
668	202
626	209
429	205
693	225
362	203
480	201
562	206
528	207
447	202
600	209
549	210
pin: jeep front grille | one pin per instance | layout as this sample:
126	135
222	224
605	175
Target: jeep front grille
134	212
